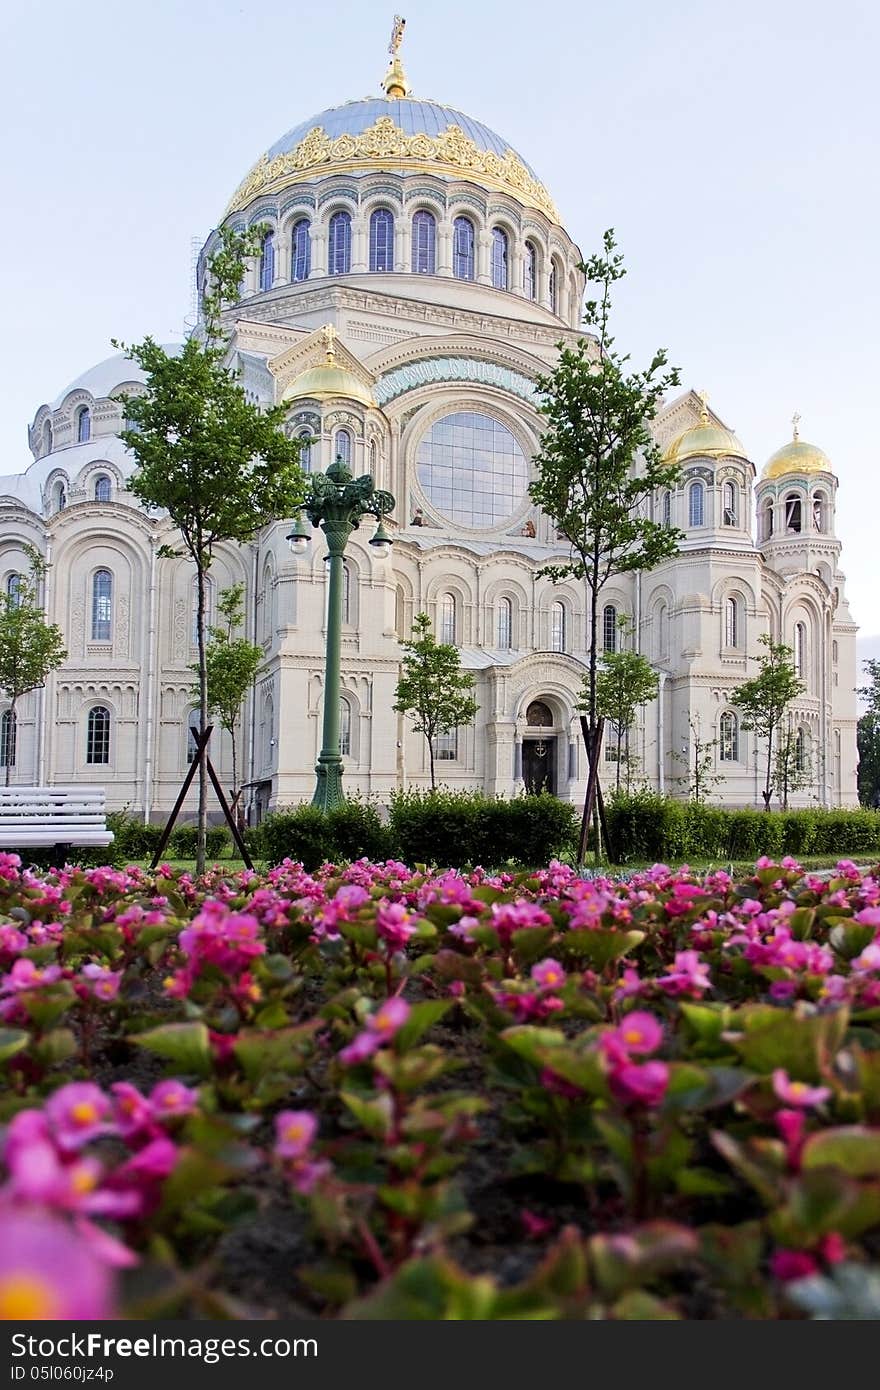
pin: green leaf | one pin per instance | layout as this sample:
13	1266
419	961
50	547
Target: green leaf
12	1040
421	1017
600	947
187	1045
852	1148
374	1114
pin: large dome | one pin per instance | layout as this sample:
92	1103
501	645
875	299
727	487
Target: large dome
394	134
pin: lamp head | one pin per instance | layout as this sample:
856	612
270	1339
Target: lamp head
298	538
381	541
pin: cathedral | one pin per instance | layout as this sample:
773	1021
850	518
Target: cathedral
414	281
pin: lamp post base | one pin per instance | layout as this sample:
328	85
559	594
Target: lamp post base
328	789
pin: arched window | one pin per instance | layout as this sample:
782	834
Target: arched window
339	244
728	738
400	613
530	271
446	745
731	622
59	496
463	248
696	504
382	240
305	451
374	459
13	591
505	624
448	624
103	488
767	520
557	627
667	508
98	735
300	251
730	510
553	288
662	616
344	726
793	521
499	258
192	727
801	756
539	715
47	438
102	606
8	738
800	651
342	447
609	628
819	512
834	651
346	594
83	425
267	728
267	261
424	243
267	625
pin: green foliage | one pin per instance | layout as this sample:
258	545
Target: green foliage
454	828
311	836
626	681
868	737
699	773
132	839
433	690
765	698
29	646
231	665
184	842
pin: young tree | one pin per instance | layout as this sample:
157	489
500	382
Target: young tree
765	699
231	665
792	767
29	646
626	681
868	737
433	689
700	775
598	466
219	465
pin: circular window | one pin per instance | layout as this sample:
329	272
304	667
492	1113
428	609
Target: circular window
539	715
472	469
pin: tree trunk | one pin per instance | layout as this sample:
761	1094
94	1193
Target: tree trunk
12	739
234	761
203	723
431	762
619	746
767	792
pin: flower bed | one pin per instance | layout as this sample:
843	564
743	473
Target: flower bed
373	1092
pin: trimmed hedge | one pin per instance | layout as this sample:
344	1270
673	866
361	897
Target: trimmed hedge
308	836
647	826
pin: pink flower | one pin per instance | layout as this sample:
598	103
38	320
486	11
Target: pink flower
170	1098
132	1111
787	1265
47	1271
869	958
640	1085
798	1092
792	1125
360	1049
295	1130
549	974
389	1017
535	1227
833	1248
394	924
690	975
25	975
306	1173
639	1032
78	1113
101	982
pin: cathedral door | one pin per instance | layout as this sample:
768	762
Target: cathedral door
539	765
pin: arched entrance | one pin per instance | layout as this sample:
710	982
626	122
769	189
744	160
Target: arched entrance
539	749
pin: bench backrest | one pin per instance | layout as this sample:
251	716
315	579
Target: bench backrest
52	803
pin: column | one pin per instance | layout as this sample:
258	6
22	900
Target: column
484	253
282	258
444	247
319	251
359	244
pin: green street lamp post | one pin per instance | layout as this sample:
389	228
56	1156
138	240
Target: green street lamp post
337	502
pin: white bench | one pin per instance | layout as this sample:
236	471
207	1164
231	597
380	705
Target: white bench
40	816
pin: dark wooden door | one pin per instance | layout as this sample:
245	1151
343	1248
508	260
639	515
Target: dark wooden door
539	765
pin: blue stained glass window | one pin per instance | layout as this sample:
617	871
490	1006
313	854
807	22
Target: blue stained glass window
102	606
530	271
103	488
342	448
381	240
300	251
696	509
267	261
98	735
424	243
339	246
463	248
499	258
472	469
83	425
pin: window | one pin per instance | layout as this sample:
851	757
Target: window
300	251
499	258
339	245
267	728
374	459
819	523
399	613
267	261
192	727
553	288
446	745
530	271
730	510
342	447
662	617
463	248
346	593
381	240
767	521
102	606
792	514
267	626
447	619
47	438
609	628
98	735
424	243
801	752
539	715
472	469
834	651
344	727
731	622
728	738
103	488
13	591
667	508
505	624
8	736
83	425
557	627
696	504
800	650
59	496
305	452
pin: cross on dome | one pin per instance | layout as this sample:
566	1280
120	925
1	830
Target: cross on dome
394	81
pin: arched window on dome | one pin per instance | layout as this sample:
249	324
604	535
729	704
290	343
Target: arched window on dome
8	739
339	244
300	251
424	243
267	261
98	735
553	288
793	516
59	496
730	504
667	508
505	625
103	488
102	606
463	248
13	591
767	520
609	628
557	627
342	447
728	737
448	616
800	651
305	451
499	258
83	425
47	438
382	240
696	504
530	271
820	512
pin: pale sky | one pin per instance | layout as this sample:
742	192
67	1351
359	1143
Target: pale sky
733	148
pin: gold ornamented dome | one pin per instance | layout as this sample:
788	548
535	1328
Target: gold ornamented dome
329	381
705	440
796	457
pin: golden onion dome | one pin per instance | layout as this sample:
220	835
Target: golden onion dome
796	457
329	381
704	440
